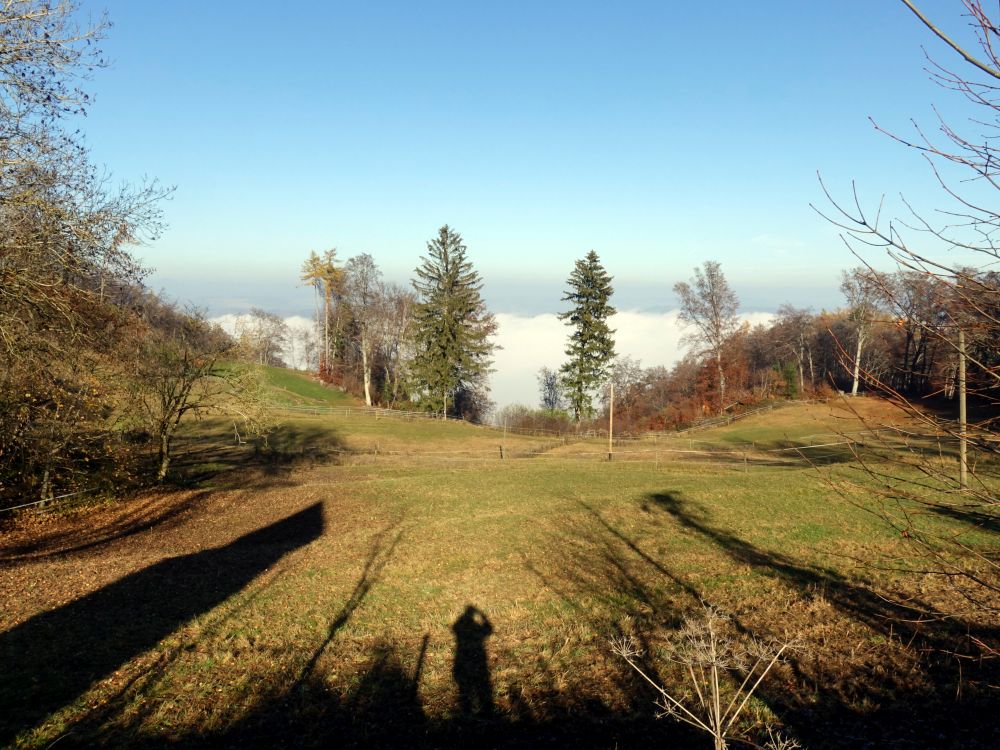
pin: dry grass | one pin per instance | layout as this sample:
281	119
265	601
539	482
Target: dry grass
311	599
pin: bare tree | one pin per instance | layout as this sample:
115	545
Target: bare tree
922	481
394	320
174	375
307	347
327	280
795	329
177	375
67	279
862	287
261	337
363	292
709	305
629	381
550	389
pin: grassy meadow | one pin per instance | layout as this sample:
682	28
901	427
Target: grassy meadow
368	582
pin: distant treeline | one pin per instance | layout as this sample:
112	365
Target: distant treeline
896	333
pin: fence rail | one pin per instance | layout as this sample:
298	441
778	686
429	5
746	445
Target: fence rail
375	411
729	419
380	412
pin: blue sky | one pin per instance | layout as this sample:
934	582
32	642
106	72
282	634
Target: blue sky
659	134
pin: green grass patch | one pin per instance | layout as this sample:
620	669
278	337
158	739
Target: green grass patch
294	388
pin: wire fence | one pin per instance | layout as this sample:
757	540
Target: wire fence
48	500
728	419
374	411
593	433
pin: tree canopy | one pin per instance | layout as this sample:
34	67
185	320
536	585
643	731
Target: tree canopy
709	305
452	328
591	346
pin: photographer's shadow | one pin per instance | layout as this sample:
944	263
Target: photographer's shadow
471	668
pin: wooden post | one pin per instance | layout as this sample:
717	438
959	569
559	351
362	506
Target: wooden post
611	421
963	458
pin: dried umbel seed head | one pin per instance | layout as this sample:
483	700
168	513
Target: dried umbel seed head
724	668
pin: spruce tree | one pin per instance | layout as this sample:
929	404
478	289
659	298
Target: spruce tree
452	327
591	346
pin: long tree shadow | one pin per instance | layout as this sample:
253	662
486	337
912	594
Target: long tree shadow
378	557
617	587
879	707
297	700
214	460
977	518
52	658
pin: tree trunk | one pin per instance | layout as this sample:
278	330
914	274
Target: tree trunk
366	372
164	456
907	363
802	374
326	330
392	383
963	442
316	300
722	384
857	363
918	366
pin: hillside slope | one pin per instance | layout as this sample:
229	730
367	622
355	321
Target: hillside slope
295	388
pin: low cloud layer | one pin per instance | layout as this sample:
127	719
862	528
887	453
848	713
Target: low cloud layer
292	354
532	342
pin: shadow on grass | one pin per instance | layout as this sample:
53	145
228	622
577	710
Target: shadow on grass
380	705
378	557
52	658
214	461
973	516
383	708
204	462
129	518
614	586
946	703
470	667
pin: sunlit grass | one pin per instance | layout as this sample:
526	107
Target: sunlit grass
560	553
294	388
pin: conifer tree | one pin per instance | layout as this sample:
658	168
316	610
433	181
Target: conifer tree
452	327
591	346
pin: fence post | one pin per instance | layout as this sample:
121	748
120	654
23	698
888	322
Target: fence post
611	419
